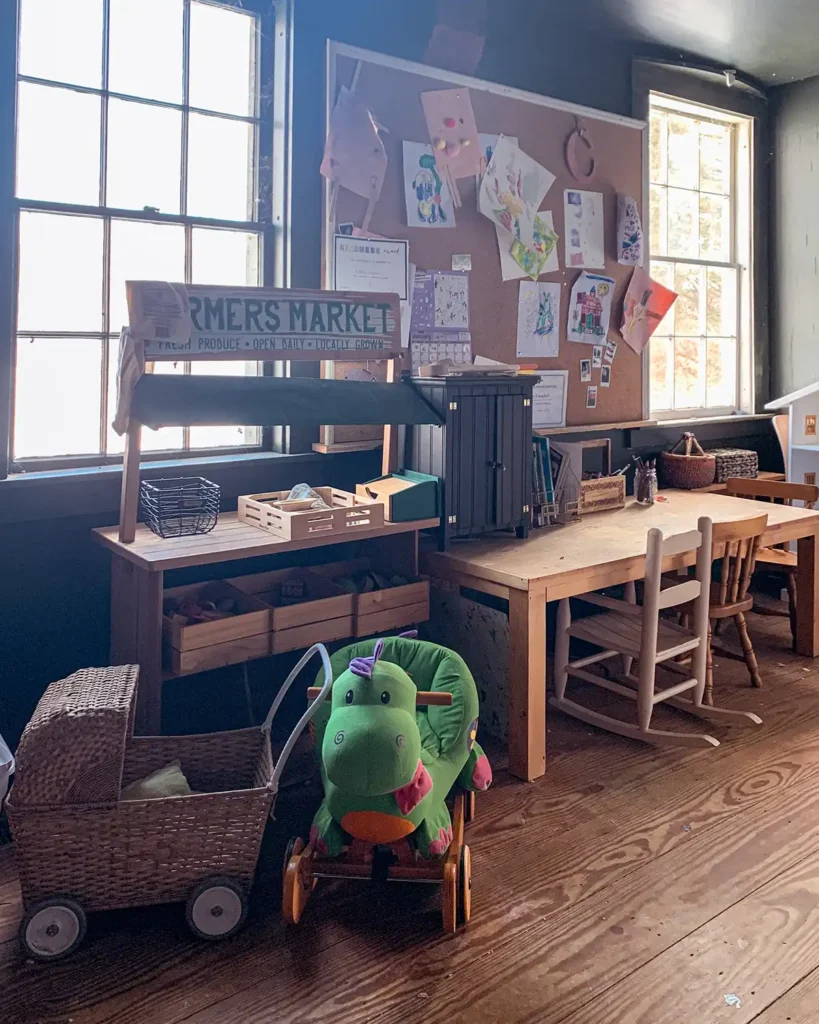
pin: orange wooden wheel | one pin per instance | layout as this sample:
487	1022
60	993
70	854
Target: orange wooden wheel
449	896
299	884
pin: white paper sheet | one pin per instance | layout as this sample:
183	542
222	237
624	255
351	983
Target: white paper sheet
629	233
429	203
511	270
549	399
371	265
590	309
406	309
512	190
452	301
538	319
584	229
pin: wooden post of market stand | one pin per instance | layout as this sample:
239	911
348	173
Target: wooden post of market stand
171	322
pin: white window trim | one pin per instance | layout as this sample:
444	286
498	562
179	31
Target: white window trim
742	251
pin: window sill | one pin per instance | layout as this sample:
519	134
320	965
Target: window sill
94	491
737	417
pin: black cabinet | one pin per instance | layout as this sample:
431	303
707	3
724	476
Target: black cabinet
482	453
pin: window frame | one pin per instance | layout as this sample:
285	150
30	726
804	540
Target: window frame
740	250
269	206
733	93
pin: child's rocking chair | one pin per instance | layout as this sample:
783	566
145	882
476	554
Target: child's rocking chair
632	633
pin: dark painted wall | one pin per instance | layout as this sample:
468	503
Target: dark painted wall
795	236
54	580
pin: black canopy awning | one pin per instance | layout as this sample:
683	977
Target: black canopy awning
165	400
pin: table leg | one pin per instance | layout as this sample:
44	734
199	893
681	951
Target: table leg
136	636
807	596
527	683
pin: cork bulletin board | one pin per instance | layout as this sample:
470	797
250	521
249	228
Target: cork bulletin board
392	88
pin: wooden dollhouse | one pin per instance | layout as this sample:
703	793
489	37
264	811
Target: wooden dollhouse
799	438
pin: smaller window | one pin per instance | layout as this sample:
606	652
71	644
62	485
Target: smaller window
700	183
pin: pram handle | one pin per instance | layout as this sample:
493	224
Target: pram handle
273	785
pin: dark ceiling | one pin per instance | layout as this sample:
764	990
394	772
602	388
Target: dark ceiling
775	41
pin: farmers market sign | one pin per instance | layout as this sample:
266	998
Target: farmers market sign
177	321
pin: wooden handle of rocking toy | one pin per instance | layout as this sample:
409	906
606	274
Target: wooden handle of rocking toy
440	699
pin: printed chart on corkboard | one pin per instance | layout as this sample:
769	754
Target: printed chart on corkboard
606	161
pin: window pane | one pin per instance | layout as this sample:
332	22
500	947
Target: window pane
689	283
219	168
57	397
689	373
144	147
663	273
715	228
164	439
658	147
683	224
659	220
683	152
722	372
145	49
51	123
225	257
230	436
661	355
60	273
721	305
221	60
143	252
61	41
715	158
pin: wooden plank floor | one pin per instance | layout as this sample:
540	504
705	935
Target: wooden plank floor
628	885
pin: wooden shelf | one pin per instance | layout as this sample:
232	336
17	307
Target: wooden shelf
719	488
589	428
229	541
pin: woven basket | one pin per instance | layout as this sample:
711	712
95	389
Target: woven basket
735	462
74	837
690	470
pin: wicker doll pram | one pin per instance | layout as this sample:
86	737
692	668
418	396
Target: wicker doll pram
79	847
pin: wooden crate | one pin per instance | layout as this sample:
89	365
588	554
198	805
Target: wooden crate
207	645
327	613
347	513
605	493
382	610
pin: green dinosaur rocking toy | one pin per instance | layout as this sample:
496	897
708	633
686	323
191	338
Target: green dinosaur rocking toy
397	736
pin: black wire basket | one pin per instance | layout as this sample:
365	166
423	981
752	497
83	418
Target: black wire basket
180	506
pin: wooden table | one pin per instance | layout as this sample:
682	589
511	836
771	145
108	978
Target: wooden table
602	550
137	584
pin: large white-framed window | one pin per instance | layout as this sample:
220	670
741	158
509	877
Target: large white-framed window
700	178
143	151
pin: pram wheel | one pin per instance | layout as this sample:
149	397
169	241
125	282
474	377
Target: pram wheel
216	909
299	881
53	929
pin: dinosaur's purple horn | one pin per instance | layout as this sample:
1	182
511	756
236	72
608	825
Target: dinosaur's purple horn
411	634
364	666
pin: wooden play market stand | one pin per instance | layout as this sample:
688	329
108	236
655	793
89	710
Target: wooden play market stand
171	322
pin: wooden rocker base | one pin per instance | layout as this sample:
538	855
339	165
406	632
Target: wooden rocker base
725	716
658	737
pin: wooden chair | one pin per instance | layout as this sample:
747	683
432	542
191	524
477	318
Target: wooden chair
737	545
778	558
633	633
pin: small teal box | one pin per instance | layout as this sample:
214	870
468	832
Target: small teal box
406	495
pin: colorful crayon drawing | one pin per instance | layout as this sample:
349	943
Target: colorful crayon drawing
629	232
538	312
646	303
429	203
590	308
